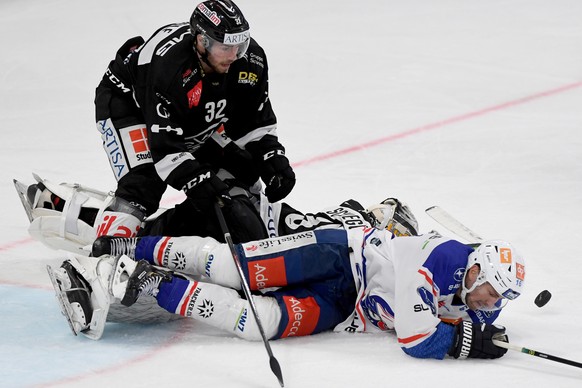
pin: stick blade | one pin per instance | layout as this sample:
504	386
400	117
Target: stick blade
276	368
445	219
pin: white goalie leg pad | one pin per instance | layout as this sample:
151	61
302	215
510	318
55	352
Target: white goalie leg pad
63	229
200	256
96	272
123	268
223	308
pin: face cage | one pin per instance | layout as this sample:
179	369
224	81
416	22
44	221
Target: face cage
211	45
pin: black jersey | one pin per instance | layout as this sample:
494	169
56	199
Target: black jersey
181	105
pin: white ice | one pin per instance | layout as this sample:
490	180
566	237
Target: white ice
472	105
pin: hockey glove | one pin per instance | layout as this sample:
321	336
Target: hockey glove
205	189
277	174
474	340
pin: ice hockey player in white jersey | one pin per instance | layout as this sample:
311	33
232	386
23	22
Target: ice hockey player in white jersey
440	296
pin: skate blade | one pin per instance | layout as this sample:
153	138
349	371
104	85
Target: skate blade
21	189
62	300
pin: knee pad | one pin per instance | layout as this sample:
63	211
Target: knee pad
120	218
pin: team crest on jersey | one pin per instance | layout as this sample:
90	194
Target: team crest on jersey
427	298
377	311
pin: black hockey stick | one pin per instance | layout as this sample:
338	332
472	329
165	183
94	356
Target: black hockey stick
272	360
531	352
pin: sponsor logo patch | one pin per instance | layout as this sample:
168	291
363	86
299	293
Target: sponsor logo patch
267	273
194	95
505	255
278	244
135	143
303	316
210	15
520	271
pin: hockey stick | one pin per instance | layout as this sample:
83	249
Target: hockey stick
272	360
451	223
506	345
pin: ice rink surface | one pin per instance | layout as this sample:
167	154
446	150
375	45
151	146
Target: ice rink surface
474	106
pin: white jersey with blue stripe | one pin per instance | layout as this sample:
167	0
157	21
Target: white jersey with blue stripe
408	284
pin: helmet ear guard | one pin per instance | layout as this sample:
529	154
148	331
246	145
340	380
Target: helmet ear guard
205	41
394	216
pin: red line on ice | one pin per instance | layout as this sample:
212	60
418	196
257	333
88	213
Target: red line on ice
396	136
436	125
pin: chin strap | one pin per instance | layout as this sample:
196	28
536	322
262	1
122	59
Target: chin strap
465	291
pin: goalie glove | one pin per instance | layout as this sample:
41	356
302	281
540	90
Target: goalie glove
394	216
475	340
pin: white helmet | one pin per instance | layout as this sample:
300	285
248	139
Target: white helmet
501	265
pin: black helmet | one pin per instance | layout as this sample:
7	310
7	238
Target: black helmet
221	21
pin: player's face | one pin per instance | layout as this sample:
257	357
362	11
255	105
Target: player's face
221	56
483	297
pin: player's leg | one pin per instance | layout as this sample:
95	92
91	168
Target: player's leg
217	306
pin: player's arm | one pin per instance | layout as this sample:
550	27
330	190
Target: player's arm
253	124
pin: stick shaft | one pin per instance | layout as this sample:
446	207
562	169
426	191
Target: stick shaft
536	353
274	364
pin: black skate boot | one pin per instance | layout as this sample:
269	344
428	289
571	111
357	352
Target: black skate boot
115	246
74	296
145	280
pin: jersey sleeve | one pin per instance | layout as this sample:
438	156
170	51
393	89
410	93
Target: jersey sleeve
166	103
425	271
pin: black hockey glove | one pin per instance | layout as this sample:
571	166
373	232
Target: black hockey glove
240	164
205	189
474	340
277	174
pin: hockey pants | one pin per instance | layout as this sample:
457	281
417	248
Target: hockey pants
303	282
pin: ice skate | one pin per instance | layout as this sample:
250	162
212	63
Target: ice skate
115	246
132	280
74	296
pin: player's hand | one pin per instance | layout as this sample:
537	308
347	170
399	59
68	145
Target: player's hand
474	340
205	189
278	175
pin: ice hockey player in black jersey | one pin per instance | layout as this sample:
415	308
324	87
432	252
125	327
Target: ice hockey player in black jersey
189	107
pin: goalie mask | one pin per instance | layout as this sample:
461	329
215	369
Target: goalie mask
394	216
500	265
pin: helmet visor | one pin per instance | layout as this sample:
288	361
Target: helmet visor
232	44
